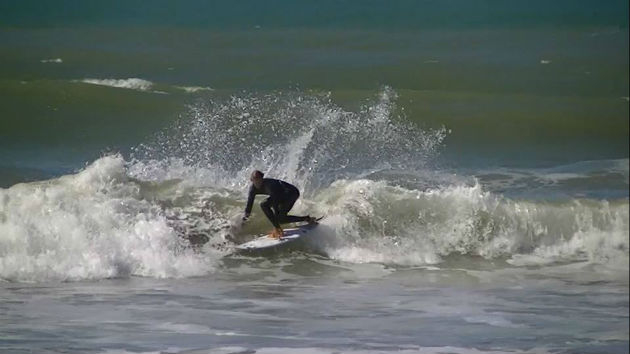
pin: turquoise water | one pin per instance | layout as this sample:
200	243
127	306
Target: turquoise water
471	158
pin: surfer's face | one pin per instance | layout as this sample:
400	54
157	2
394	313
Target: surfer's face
257	181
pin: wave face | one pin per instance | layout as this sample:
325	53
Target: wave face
369	171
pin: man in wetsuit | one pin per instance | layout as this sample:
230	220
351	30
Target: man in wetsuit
282	196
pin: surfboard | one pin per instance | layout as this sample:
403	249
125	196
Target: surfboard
267	242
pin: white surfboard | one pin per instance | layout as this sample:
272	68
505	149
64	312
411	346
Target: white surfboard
266	242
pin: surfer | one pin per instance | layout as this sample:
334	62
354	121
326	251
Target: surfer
282	196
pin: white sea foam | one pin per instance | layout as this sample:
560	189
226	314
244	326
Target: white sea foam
194	89
375	222
90	225
53	60
131	83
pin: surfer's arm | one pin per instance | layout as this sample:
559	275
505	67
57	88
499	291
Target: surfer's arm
250	201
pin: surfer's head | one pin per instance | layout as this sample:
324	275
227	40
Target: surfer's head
257	178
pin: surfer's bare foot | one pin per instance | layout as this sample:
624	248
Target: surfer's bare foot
311	220
277	233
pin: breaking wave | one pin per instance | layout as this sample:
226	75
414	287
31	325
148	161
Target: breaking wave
369	171
91	225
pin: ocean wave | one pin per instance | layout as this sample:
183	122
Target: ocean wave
131	83
377	222
89	225
369	172
102	223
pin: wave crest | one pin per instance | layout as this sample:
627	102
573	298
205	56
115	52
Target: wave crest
378	222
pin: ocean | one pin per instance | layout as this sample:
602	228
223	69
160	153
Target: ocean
470	159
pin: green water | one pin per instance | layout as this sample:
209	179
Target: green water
564	89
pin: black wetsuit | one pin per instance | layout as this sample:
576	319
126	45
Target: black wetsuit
282	196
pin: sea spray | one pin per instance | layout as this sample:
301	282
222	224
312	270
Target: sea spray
304	138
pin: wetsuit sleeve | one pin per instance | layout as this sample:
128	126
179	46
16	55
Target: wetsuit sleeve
250	200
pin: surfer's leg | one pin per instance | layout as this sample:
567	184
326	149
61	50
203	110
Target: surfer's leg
266	206
285	206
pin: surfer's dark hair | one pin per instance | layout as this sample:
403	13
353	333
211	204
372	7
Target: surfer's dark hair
257	174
